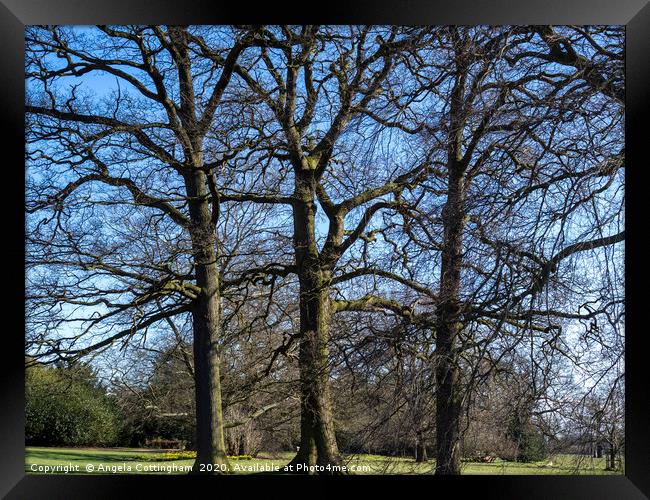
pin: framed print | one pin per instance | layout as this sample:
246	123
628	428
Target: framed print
394	246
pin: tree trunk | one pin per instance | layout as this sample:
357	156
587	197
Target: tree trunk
599	451
448	400
206	312
317	439
206	316
612	457
447	407
421	449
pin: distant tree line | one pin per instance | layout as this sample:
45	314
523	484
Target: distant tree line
69	406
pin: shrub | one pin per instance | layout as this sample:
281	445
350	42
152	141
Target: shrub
531	445
65	407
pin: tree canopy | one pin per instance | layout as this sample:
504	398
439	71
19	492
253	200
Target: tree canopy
291	207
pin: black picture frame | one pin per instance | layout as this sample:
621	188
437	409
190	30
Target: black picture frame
15	14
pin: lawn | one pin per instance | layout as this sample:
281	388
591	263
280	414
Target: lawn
144	461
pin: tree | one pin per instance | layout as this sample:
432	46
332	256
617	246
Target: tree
528	164
153	139
334	76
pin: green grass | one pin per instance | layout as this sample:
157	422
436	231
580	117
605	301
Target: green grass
143	461
555	465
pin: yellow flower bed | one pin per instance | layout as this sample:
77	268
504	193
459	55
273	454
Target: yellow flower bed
186	455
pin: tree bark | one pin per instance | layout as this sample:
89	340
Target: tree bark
211	455
317	438
448	403
206	316
448	400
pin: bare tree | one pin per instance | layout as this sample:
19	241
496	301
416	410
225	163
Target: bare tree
151	139
530	178
407	209
316	84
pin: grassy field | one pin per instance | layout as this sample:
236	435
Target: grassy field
143	461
